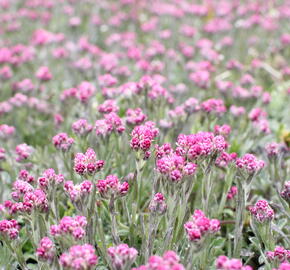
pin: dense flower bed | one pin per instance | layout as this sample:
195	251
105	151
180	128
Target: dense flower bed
144	134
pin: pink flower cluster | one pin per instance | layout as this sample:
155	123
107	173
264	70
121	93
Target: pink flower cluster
50	178
191	105
19	188
143	136
223	130
70	226
78	192
259	120
87	164
81	127
25	176
135	116
273	149
62	142
169	261
175	167
23	152
250	164
200	225
9	228
213	106
45	250
84	92
224	263
2	154
110	105
79	257
109	124
44	74
6	131
27	199
285	193
232	192
122	256
224	159
280	254
157	204
262	211
111	186
201	144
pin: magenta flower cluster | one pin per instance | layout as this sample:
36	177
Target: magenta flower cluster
79	257
122	256
168	261
111	186
250	164
70	226
199	226
262	211
87	164
224	263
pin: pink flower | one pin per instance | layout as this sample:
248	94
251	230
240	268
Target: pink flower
122	256
9	228
87	164
45	250
168	261
224	263
250	164
279	253
175	167
107	80
78	192
285	193
223	130
49	178
215	106
23	151
191	105
135	116
232	192
201	78
201	144
262	211
158	204
75	227
2	154
81	127
111	123
85	92
111	186
79	257
110	105
6	131
44	74
62	142
143	136
273	149
199	225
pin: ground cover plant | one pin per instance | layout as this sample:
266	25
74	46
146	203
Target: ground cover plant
144	134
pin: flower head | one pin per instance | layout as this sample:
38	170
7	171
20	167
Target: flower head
62	141
79	257
199	225
122	256
262	211
169	261
87	164
111	186
45	250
